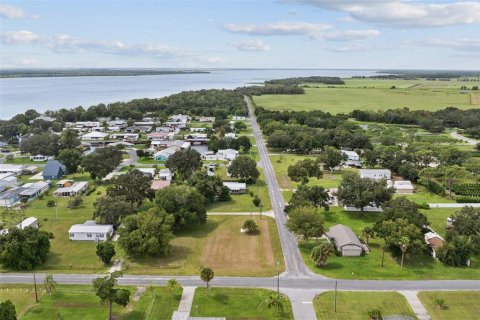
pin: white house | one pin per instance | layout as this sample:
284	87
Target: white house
210	156
148	172
227	154
206	119
41	157
236	187
125	136
434	241
375	174
8	180
28	222
90	231
70	191
16	169
95	136
163	135
353	159
87	124
403	187
165	174
230	135
201	129
239	118
163	155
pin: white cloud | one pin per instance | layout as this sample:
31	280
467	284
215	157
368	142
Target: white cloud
251	45
317	31
404	13
12	12
460	44
63	43
284	28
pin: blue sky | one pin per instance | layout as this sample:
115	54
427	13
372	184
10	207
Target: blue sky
437	34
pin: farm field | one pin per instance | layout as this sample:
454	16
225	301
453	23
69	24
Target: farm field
79	302
370	94
369	265
354	305
220	245
461	305
234	303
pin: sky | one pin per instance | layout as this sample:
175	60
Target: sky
344	34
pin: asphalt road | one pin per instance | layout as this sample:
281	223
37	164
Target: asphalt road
294	265
458	136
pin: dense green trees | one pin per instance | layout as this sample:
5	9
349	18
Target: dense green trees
101	162
184	162
321	252
332	158
71	158
24	249
185	203
108	292
402	208
315	196
7	310
147	233
210	187
111	210
133	186
43	143
455	251
305	222
302	170
361	192
105	251
207	274
69	139
244	168
466	222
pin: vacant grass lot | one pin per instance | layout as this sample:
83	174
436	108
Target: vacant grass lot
369	265
236	303
370	94
354	305
220	245
462	305
79	302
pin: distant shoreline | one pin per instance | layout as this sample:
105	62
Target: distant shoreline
51	73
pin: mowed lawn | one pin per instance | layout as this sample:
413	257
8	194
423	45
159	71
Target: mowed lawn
79	302
236	303
218	244
354	305
369	265
367	94
461	305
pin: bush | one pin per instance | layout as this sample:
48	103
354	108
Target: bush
90	191
467	199
75	202
251	193
467	189
99	193
250	226
423	206
51	203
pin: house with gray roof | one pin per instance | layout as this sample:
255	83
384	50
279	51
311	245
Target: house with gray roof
54	170
345	240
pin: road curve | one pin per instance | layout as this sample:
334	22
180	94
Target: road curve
294	265
458	136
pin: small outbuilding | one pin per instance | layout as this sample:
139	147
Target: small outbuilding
345	240
54	170
236	187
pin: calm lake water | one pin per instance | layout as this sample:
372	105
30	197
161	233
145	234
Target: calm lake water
20	94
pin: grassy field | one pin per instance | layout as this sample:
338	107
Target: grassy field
354	305
461	305
236	304
220	245
368	94
79	302
369	265
24	160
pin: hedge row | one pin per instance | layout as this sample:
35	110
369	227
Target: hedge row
467	189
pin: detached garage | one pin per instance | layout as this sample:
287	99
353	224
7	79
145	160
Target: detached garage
345	240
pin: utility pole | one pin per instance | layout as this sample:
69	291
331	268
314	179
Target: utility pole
35	286
335	297
278	276
56	210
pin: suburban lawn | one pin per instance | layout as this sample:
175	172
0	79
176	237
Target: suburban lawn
24	160
79	302
236	303
461	305
438	218
353	305
368	94
243	202
369	265
220	245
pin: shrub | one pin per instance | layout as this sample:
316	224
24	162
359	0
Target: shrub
440	303
250	226
51	203
75	202
90	191
375	314
467	189
99	193
467	199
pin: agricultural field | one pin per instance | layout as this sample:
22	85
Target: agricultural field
220	245
354	305
79	302
236	303
369	94
460	305
369	266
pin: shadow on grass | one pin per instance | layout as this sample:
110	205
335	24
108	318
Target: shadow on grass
198	231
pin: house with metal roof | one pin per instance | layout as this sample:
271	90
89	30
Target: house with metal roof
236	187
345	240
16	169
375	174
90	231
71	190
54	170
163	155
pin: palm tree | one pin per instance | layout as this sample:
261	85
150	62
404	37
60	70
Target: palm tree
404	243
172	284
50	284
367	233
274	301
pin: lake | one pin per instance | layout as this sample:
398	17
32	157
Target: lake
20	94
